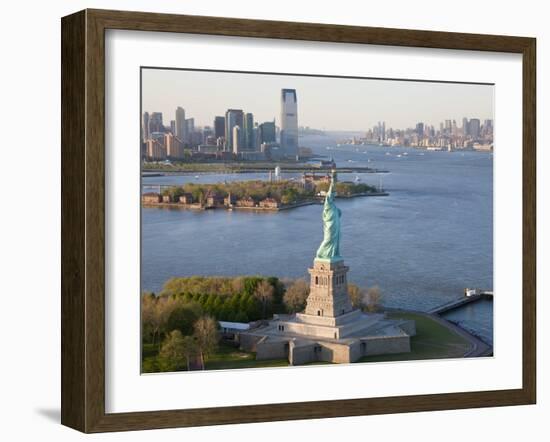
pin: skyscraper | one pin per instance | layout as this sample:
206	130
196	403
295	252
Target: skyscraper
465	129
219	127
248	129
268	133
155	123
237	139
145	126
289	122
474	128
189	126
233	117
181	132
420	129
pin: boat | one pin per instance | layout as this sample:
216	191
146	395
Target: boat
357	179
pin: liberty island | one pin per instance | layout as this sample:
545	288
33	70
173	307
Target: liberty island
330	329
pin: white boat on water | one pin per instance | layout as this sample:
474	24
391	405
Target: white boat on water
357	179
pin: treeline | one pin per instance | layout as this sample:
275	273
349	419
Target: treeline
346	188
284	191
175	323
239	299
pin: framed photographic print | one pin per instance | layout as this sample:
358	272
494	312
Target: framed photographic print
269	220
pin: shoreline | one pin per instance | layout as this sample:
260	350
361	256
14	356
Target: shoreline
146	173
319	201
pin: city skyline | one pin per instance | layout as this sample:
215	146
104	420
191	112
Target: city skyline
360	103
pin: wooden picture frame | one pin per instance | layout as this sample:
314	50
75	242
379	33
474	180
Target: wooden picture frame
83	219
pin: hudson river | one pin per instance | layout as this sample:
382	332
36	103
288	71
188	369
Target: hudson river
422	244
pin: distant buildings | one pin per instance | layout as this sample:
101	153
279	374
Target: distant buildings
472	135
289	122
237	136
233	136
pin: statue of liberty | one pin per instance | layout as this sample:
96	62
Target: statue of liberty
330	247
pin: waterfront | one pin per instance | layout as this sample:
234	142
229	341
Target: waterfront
422	245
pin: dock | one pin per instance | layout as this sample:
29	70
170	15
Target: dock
470	295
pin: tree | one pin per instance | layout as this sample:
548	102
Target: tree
155	313
296	295
237	285
174	352
356	296
183	316
148	301
250	284
278	290
189	348
252	308
264	294
206	336
373	299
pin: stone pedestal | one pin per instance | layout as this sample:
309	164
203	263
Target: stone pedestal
328	296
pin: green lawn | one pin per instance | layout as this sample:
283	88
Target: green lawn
432	341
230	357
226	357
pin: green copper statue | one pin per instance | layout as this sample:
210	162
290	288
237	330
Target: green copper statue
330	247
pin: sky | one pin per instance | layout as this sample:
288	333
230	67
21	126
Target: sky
323	103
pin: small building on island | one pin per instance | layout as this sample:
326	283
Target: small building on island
213	199
229	200
247	201
186	198
269	203
166	199
151	198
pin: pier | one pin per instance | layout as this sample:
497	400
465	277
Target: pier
470	295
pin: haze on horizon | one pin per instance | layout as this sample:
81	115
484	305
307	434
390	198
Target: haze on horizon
332	104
